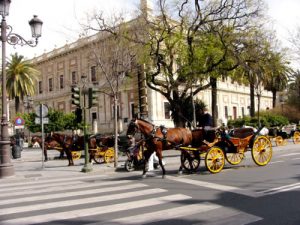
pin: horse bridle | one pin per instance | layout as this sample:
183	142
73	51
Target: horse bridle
151	134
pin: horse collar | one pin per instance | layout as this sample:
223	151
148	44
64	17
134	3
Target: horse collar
152	134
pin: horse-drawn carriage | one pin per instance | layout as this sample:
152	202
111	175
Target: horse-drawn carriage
280	136
100	147
214	146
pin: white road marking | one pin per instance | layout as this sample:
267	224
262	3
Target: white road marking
70	194
38	181
64	203
215	186
276	162
291	154
166	214
280	189
61	186
72	214
203	184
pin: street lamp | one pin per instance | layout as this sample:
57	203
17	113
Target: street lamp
6	167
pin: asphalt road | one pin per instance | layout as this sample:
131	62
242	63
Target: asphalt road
242	194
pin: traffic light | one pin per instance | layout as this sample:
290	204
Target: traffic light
92	97
78	115
76	96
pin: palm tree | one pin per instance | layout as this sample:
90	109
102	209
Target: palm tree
21	77
277	71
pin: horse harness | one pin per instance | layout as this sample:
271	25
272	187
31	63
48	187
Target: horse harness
152	134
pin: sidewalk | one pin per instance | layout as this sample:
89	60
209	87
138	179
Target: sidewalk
30	164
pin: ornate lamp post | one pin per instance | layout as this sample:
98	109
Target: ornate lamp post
6	167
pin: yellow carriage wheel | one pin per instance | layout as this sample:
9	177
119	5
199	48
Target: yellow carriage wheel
261	151
296	137
76	155
190	160
109	155
234	158
279	141
215	159
97	155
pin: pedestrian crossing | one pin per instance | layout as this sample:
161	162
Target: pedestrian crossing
94	200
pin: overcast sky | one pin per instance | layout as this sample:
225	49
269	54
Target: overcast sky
62	17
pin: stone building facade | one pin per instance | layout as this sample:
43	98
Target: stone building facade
75	64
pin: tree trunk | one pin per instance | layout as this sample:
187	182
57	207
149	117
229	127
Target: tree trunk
116	130
17	104
178	116
274	92
258	109
252	100
214	91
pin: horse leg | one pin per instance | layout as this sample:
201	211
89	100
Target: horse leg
69	156
145	169
147	155
182	157
61	155
159	155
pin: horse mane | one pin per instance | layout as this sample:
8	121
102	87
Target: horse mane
145	121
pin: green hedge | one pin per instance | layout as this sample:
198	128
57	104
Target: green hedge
266	119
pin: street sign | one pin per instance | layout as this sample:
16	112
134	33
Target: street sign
19	127
19	121
41	110
38	120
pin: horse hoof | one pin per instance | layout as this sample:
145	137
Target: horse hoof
163	176
144	176
180	172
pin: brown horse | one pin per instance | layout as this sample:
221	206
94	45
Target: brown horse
72	143
159	138
48	144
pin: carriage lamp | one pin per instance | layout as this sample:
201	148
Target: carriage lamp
7	36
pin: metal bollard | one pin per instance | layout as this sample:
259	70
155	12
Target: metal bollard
16	151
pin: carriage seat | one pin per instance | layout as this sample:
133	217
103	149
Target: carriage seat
242	132
273	131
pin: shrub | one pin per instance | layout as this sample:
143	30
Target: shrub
266	119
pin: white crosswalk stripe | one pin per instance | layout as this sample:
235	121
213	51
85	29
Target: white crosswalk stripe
63	186
93	200
70	194
280	189
40	181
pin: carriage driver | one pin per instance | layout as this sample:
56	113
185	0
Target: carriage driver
204	119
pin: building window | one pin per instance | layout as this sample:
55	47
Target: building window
93	74
234	112
50	85
40	87
132	112
226	112
61	81
167	110
74	81
243	112
94	116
